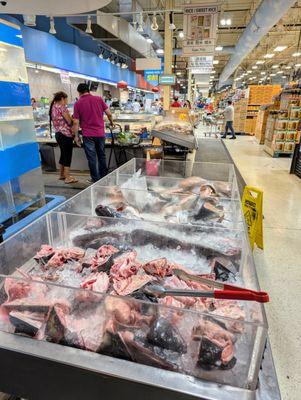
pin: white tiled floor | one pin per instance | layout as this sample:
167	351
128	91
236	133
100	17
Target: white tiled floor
279	265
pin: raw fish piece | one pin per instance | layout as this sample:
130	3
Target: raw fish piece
129	285
55	325
163	334
147	354
16	288
159	267
209	355
26	322
224	269
44	254
28	304
106	211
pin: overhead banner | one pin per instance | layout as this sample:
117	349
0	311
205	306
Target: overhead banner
201	64
147	63
200	25
152	76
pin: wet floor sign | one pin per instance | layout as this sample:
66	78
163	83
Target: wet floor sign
252	209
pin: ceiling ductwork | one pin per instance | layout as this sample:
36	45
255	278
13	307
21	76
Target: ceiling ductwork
267	15
53	7
125	32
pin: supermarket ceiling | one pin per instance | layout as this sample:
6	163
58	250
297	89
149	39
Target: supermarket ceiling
133	42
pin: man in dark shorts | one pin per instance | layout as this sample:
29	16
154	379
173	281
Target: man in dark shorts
88	114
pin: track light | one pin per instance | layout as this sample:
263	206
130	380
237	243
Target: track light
149	40
113	61
118	63
172	26
89	25
140	23
52	26
154	25
101	55
181	35
124	65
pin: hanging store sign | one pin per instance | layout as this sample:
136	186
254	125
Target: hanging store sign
65	77
167	79
152	76
148	63
201	64
200	25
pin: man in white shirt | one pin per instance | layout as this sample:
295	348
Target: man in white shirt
229	118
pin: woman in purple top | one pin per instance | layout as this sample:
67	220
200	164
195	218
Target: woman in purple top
62	123
88	114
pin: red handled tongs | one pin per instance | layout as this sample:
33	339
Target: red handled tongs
228	292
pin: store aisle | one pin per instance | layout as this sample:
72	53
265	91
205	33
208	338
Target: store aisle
279	265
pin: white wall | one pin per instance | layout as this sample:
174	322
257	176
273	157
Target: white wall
45	84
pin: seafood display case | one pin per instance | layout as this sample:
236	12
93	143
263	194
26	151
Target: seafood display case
160	190
86	282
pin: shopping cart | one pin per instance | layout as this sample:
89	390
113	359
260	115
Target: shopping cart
213	122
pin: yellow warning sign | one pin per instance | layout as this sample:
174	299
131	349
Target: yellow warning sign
252	209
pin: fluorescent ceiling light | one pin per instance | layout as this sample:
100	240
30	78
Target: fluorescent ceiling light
297	54
89	25
254	67
178	73
219	48
273	75
269	55
249	71
279	72
275	66
154	25
149	40
52	26
262	73
297	65
288	67
280	48
259	62
160	51
215	62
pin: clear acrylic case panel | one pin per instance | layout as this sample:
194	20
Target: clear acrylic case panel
123	327
167	173
15	113
7	208
27	189
12	64
150	205
13	133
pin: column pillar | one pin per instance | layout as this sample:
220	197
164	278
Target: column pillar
167	55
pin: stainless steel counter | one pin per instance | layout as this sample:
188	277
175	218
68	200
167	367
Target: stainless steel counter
40	370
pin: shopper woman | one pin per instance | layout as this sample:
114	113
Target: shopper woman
62	122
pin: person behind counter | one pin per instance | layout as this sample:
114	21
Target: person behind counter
187	104
136	106
88	114
176	102
62	122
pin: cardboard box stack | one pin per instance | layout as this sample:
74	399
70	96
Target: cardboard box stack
258	96
283	129
261	122
240	115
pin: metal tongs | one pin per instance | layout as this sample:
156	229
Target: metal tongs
228	292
